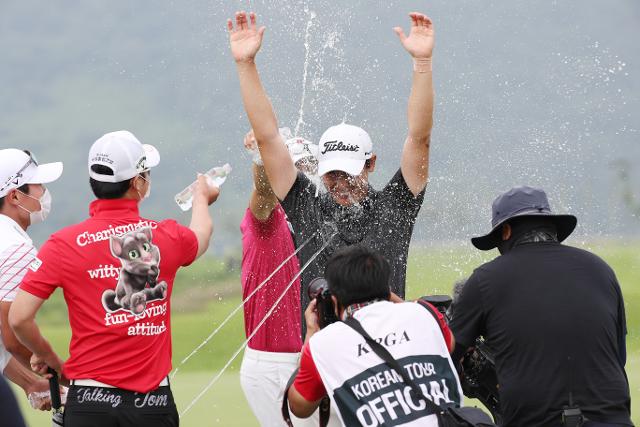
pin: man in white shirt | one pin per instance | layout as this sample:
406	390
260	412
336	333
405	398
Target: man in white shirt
24	201
337	362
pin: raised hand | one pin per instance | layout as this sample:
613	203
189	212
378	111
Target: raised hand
245	38
420	41
205	190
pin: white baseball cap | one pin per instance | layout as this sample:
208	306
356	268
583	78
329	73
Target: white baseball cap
18	167
122	153
300	148
344	148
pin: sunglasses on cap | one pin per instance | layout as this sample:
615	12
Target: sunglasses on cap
15	178
300	147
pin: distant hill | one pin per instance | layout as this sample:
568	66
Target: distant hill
539	93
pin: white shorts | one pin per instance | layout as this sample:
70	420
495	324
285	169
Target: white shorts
263	377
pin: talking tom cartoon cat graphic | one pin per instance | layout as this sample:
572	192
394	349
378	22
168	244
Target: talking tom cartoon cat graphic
137	284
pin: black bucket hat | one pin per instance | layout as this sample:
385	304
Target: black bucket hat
523	202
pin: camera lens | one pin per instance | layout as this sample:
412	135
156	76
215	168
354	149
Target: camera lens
316	287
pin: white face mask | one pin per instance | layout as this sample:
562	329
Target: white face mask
45	207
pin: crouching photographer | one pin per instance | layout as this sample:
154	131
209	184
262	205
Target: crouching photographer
553	315
383	364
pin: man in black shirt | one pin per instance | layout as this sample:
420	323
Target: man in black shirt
357	213
383	221
553	314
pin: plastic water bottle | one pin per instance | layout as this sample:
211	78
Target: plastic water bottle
216	176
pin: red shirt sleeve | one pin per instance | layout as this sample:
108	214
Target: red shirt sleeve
308	382
185	240
45	272
189	245
444	327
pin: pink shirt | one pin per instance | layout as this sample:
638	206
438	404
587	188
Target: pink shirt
264	246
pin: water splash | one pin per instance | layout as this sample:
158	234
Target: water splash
228	318
257	328
305	71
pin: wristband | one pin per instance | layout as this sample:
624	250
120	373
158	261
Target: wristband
422	65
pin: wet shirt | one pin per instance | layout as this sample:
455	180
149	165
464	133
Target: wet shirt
555	317
116	270
265	246
383	221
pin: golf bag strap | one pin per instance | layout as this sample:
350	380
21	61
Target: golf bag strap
324	408
325	411
54	390
384	354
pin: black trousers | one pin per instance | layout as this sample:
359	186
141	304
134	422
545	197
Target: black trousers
114	407
9	410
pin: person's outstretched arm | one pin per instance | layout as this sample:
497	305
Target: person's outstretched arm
415	154
263	200
246	39
201	223
22	318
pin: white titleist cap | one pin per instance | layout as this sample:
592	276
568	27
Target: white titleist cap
344	148
300	148
122	153
18	168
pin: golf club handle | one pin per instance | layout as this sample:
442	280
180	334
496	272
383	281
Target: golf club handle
54	389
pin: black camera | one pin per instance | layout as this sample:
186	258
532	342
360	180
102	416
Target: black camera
319	290
479	379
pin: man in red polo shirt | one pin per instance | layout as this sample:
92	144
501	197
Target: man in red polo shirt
116	270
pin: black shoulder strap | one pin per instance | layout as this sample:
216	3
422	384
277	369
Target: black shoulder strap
384	354
285	399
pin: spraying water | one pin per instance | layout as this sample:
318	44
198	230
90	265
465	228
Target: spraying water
305	71
226	320
269	313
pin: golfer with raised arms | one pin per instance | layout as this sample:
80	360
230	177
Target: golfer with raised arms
382	220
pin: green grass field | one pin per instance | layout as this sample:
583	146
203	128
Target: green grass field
206	292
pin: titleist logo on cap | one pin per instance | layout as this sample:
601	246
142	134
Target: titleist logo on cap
338	146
